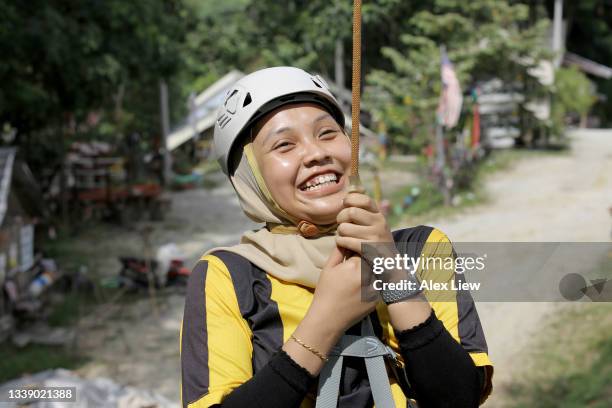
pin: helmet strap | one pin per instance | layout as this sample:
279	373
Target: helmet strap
304	228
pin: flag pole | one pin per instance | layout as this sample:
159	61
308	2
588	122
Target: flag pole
440	155
441	160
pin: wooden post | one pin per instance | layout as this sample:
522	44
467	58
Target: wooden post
339	63
441	161
165	124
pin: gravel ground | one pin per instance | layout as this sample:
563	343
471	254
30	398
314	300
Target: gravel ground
137	348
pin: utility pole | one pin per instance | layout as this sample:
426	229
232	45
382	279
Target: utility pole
440	163
165	124
557	40
339	63
339	69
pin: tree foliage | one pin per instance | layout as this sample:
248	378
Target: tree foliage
247	35
574	93
67	66
485	39
71	69
590	35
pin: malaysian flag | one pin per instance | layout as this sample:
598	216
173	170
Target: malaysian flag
451	99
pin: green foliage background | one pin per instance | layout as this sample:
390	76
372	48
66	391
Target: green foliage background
66	62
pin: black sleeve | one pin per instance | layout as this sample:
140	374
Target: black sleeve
440	371
280	383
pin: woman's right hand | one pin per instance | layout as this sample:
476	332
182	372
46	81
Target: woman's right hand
338	295
336	305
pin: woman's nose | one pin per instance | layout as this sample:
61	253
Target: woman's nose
315	154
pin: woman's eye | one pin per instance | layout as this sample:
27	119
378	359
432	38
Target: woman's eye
282	145
328	133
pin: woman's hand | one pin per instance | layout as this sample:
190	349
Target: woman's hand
337	305
339	292
361	221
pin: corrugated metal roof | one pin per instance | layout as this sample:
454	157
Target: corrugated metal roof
203	115
206	103
588	66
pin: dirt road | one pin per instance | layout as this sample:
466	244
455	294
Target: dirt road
563	198
552	198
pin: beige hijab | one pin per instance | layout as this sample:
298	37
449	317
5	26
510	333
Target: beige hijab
281	247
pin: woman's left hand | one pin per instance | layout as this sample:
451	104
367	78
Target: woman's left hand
361	221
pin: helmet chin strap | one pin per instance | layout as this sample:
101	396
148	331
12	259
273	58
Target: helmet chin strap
305	228
308	229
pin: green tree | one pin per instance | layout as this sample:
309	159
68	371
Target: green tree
64	61
484	38
219	39
247	35
574	93
589	26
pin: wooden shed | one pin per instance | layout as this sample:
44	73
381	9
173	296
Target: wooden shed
20	209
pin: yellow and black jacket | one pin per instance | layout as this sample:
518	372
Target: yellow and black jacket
237	317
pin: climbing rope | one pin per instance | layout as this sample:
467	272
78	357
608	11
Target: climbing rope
367	345
355	183
356	82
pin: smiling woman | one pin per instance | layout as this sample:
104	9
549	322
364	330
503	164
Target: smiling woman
262	317
304	156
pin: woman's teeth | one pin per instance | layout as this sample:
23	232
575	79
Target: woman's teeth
319	181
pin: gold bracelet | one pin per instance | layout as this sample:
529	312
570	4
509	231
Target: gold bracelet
309	348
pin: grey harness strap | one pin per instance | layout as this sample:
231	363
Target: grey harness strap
368	347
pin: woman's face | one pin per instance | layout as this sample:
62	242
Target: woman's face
304	157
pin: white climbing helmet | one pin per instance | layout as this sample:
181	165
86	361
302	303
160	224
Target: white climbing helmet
260	92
